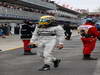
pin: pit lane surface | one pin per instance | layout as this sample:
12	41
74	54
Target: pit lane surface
15	63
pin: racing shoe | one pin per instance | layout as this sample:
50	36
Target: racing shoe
56	63
46	67
88	57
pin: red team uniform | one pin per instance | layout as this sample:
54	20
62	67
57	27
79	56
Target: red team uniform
89	34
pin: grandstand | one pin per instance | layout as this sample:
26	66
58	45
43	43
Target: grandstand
16	11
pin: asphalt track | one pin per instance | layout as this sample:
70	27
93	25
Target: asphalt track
13	62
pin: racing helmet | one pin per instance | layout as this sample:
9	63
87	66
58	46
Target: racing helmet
92	20
45	21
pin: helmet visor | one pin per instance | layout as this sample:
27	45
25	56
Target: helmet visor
44	21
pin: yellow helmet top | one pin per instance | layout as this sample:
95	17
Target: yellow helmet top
45	20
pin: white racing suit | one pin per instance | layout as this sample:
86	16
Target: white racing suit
46	39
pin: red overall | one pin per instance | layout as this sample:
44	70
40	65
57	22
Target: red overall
90	42
26	43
